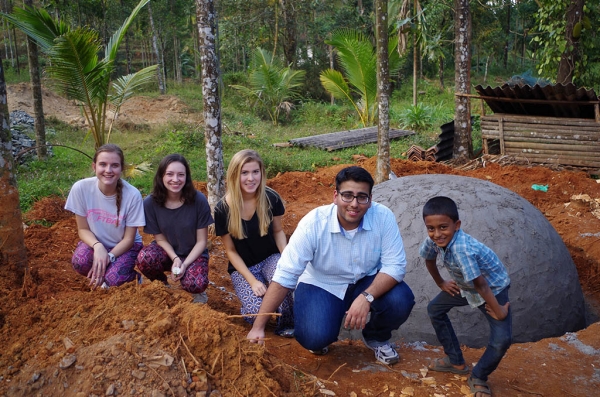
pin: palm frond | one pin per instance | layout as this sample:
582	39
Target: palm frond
126	86
37	24
117	37
333	81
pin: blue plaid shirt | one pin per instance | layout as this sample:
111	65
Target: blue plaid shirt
465	258
322	254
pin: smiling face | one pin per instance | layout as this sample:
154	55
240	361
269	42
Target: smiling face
174	177
108	169
441	229
250	178
350	214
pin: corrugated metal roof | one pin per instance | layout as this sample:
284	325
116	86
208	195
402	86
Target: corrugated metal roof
558	92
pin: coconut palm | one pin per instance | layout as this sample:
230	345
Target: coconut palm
358	59
272	85
76	70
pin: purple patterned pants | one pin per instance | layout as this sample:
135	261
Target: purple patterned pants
263	272
117	273
153	262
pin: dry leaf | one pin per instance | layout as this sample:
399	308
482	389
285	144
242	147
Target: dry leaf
327	392
424	372
408	391
428	381
156	361
466	390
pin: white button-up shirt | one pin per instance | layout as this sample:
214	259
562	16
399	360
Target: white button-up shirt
321	254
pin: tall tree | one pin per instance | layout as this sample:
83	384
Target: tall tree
572	54
383	92
162	87
36	88
206	19
289	30
463	145
12	239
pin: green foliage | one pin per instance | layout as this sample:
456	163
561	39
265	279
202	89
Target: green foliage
77	71
551	38
359	63
418	118
272	86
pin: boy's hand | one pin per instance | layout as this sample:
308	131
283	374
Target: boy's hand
498	316
450	287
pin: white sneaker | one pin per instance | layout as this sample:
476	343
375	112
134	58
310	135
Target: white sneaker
385	353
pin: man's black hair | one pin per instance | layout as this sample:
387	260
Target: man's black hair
356	174
441	205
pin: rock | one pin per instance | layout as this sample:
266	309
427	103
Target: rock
110	391
156	393
67	361
136	373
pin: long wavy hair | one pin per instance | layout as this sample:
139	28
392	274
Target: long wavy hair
112	148
159	190
235	200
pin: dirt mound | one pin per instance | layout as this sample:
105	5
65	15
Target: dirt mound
61	339
138	112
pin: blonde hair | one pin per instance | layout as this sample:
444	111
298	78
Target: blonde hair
234	195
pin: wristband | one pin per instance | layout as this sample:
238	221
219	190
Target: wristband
97	242
176	257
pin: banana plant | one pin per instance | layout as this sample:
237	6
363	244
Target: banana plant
77	71
358	84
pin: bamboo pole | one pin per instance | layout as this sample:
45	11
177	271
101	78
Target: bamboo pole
555	160
513	135
540	119
535	101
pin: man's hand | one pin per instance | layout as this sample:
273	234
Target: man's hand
356	316
498	316
256	336
450	287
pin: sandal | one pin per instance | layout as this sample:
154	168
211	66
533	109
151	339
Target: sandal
444	365
478	386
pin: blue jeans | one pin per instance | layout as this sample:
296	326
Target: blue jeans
500	332
318	314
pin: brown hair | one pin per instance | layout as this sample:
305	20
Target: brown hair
112	148
234	195
159	191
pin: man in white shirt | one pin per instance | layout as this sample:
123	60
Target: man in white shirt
346	258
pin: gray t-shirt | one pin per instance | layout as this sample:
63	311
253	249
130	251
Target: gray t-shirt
178	225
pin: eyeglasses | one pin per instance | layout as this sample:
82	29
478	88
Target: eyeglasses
348	197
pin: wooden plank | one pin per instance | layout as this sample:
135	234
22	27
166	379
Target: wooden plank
555	160
554	146
541	120
501	134
512	135
509	126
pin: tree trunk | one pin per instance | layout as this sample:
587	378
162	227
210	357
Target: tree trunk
441	73
289	31
463	146
383	92
572	54
506	34
415	51
36	87
13	254
206	19
161	77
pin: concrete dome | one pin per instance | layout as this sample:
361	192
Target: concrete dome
545	294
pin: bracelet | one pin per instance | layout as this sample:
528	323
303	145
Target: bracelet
176	257
97	242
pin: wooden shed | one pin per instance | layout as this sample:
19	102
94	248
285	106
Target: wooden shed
553	124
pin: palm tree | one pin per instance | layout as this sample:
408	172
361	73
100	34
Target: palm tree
76	69
359	63
272	85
